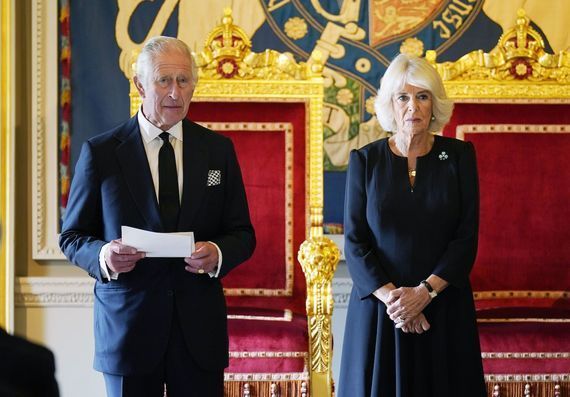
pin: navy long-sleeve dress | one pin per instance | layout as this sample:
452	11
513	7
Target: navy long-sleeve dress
399	233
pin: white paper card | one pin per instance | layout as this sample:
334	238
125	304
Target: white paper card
162	245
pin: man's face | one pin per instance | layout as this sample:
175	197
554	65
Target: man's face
167	89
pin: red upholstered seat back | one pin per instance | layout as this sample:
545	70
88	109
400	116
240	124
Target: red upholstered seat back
524	173
270	141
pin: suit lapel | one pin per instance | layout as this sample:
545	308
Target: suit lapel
195	163
134	165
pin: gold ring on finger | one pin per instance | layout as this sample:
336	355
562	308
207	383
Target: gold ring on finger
201	271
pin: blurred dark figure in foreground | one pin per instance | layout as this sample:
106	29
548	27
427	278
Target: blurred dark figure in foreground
26	369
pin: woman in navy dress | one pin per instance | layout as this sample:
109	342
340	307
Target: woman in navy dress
411	224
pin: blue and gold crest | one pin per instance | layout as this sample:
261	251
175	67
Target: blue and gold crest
357	39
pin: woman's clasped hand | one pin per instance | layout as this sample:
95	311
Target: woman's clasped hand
405	306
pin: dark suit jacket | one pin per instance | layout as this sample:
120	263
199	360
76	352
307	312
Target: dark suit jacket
26	369
112	186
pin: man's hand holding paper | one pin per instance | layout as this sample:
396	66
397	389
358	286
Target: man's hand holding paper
204	259
121	258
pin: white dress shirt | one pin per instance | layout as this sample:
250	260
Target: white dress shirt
152	144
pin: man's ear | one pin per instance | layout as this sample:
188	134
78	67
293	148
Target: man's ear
139	86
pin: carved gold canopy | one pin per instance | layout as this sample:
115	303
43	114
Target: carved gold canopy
518	69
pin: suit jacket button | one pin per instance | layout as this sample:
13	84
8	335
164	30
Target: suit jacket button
170	292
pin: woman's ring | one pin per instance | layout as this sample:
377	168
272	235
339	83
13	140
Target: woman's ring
201	271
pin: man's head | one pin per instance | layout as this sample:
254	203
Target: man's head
166	77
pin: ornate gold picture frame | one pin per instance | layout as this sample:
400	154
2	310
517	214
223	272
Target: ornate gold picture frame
44	106
7	164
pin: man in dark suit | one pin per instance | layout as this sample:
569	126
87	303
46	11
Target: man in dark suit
26	369
159	320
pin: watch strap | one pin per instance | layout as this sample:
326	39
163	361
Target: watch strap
431	291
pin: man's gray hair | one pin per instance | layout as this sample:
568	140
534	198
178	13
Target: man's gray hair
416	71
159	45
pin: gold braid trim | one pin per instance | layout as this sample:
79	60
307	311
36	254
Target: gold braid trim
269	388
523	320
236	354
520	294
528	377
524	355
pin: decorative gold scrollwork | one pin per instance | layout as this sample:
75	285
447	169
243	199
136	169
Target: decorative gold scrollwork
319	257
519	60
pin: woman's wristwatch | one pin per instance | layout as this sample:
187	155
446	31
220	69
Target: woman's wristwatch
431	291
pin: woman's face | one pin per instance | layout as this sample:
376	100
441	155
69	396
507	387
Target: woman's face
412	110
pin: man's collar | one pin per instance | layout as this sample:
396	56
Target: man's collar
149	131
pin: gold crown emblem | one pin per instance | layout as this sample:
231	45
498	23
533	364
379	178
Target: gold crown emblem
227	39
522	40
226	46
227	55
519	55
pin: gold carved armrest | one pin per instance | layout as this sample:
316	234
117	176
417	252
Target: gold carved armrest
319	257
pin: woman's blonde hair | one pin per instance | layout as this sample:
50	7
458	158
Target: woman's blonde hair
406	69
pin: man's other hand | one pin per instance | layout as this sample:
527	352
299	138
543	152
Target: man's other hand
204	259
122	258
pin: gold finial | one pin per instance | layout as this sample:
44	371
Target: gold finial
227	14
521	41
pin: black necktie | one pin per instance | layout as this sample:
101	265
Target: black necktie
168	199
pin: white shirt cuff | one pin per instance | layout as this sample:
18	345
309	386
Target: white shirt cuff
108	274
216	271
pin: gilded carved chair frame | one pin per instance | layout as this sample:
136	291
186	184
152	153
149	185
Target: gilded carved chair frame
230	71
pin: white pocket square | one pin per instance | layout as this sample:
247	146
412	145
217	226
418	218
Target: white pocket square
214	177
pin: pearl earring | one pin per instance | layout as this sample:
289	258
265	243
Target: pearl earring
432	117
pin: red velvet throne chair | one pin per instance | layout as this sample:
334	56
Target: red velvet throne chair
279	301
514	105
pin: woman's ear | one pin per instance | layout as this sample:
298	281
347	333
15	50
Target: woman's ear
139	86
